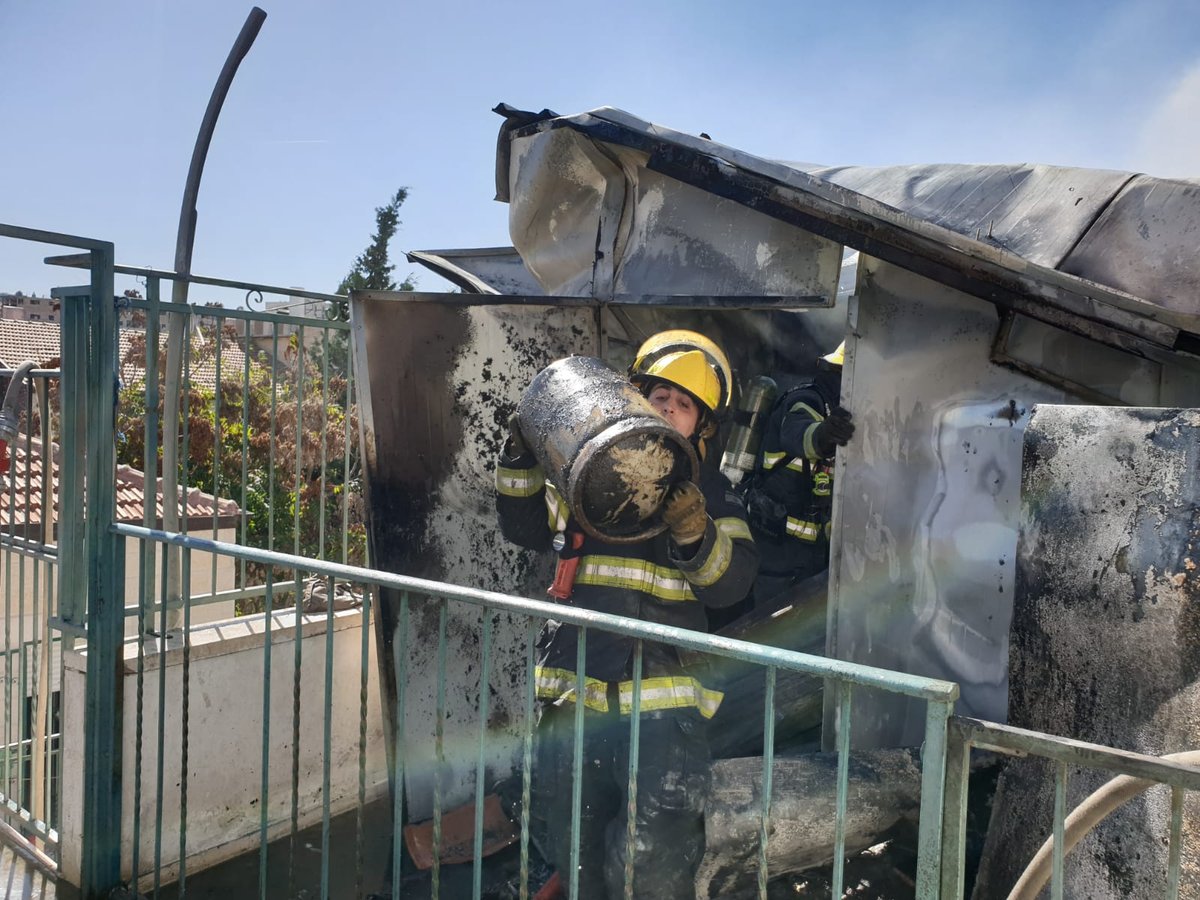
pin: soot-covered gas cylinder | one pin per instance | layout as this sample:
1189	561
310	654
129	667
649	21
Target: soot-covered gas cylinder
604	447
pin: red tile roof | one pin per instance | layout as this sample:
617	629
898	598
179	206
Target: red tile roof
39	341
25	479
20	340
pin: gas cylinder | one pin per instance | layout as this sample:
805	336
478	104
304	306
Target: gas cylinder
749	418
604	447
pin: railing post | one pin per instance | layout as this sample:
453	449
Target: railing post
954	816
933	783
103	719
72	558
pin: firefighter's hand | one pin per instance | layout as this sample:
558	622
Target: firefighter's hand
685	514
516	441
835	431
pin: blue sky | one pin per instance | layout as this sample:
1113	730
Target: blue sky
339	103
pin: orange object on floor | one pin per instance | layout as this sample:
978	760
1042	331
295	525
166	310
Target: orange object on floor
458	834
551	890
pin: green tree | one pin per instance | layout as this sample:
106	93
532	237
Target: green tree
373	269
288	423
285	423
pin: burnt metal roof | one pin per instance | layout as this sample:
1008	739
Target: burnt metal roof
1106	254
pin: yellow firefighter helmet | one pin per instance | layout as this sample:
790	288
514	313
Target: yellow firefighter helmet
689	361
837	357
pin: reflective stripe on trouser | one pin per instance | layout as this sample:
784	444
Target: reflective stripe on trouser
660	693
805	531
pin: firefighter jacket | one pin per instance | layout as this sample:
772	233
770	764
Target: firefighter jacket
790	496
647	580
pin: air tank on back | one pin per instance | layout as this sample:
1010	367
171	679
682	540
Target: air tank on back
741	451
604	447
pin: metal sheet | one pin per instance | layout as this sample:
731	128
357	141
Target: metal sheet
1037	212
437	384
589	218
1038	216
566	197
926	498
489	270
1146	243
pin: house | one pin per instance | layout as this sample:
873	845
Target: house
40	341
22	520
268	335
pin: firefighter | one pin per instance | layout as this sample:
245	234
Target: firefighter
789	497
705	558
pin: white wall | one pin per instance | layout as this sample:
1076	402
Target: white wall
225	738
201	581
25	581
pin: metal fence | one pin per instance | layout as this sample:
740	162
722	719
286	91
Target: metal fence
1136	773
30	760
939	697
267	424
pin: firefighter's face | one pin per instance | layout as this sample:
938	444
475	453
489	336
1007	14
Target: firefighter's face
677	407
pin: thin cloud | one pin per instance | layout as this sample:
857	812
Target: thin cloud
1168	142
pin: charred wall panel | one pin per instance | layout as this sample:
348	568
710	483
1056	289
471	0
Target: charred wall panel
925	520
437	385
1105	636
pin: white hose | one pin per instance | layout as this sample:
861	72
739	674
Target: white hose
14	386
1086	816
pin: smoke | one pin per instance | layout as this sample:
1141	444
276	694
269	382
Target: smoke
1169	141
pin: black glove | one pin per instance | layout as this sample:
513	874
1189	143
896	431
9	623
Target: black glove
516	441
835	431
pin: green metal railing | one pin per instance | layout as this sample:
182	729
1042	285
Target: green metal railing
938	695
966	734
101	778
30	758
262	397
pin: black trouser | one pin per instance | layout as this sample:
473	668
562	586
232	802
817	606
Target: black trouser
672	781
786	562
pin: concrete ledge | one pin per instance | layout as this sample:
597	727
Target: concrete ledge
224	734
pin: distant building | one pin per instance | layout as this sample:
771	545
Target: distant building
29	309
266	334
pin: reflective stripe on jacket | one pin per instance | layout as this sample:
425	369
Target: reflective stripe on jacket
648	580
